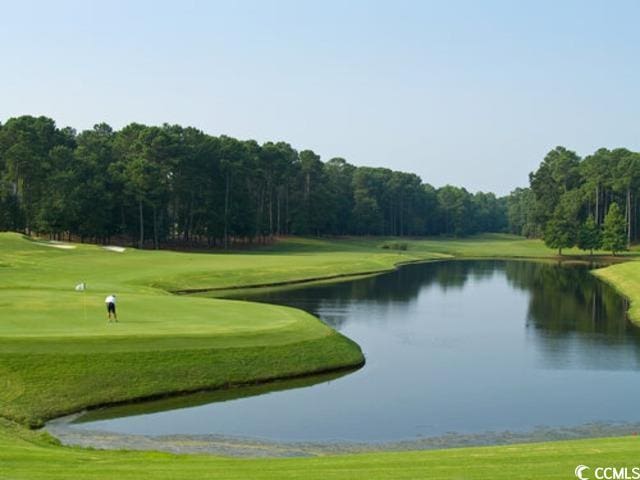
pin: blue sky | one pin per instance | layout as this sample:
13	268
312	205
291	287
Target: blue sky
472	93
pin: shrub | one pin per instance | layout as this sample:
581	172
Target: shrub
395	246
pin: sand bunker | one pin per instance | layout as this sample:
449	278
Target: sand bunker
114	249
64	246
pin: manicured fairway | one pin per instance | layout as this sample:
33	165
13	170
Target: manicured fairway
59	355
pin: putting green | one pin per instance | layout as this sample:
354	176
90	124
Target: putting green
38	299
30	313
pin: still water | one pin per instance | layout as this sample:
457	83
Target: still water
459	346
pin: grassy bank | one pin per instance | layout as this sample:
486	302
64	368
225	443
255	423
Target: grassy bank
625	277
29	455
59	355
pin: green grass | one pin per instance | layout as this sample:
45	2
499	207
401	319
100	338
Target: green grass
625	277
29	455
58	354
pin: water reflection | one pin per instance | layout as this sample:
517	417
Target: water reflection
563	298
206	397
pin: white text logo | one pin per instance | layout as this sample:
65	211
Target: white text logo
579	471
608	473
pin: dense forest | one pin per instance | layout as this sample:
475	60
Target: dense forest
173	185
589	202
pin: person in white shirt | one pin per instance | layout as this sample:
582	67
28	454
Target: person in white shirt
111	307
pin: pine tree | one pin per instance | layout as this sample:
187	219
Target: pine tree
614	233
561	231
589	236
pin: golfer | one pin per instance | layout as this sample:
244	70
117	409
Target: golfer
111	307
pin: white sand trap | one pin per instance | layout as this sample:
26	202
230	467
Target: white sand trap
64	246
114	249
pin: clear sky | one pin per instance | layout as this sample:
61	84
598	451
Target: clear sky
472	93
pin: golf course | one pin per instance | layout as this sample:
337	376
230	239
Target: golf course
313	240
59	355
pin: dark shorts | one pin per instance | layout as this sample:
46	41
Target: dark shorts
111	307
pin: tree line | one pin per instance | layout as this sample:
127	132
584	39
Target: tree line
174	185
589	202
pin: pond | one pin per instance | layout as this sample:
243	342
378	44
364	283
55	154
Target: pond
458	346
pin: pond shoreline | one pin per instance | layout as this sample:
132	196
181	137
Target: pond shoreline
308	280
345	369
233	446
603	261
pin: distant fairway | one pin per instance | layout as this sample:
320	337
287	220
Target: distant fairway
38	297
58	354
